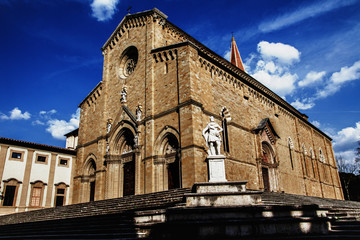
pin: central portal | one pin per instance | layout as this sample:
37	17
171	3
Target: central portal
129	177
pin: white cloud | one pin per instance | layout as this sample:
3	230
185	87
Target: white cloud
103	10
347	156
347	138
303	13
316	124
284	53
347	74
16	114
312	78
38	122
227	54
281	84
338	79
345	142
303	104
330	87
272	66
47	112
58	128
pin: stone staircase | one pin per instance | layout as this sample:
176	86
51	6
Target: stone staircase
343	216
164	215
107	219
111	226
111	206
274	198
344	222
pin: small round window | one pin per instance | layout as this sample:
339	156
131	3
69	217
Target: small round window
128	62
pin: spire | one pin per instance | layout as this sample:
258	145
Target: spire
235	58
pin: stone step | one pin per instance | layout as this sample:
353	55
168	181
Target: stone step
304	237
74	236
341	223
346	232
118	205
345	227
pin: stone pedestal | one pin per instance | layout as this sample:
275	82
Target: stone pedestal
214	194
216	168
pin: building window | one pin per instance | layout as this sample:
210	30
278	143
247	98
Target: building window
312	156
291	147
64	162
41	159
60	194
36	193
225	115
166	68
10	190
16	155
36	197
321	156
304	157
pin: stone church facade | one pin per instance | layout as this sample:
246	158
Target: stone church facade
141	126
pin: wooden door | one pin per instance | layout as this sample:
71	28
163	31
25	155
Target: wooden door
129	178
174	175
265	175
92	191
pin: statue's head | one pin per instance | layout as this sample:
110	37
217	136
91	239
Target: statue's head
211	118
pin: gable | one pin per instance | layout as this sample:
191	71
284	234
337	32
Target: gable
266	130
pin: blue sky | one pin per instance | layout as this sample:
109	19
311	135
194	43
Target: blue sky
308	52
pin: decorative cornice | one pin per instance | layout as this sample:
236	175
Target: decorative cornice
96	88
134	20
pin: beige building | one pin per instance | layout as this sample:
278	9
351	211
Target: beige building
34	176
141	126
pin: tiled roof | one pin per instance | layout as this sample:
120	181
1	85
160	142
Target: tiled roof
14	142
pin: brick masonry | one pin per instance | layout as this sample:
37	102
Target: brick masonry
179	84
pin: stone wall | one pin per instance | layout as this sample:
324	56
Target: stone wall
179	83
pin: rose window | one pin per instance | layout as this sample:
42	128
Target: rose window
128	62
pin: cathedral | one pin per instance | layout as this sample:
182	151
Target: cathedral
141	127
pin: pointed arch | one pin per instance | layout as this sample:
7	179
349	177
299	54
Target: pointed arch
225	119
268	154
122	138
268	167
164	133
291	147
168	162
321	156
312	157
89	177
304	153
89	167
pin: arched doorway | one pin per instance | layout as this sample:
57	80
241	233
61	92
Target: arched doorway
268	165
171	154
91	169
126	148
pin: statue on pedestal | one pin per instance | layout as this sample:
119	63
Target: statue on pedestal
212	136
108	125
123	95
138	112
